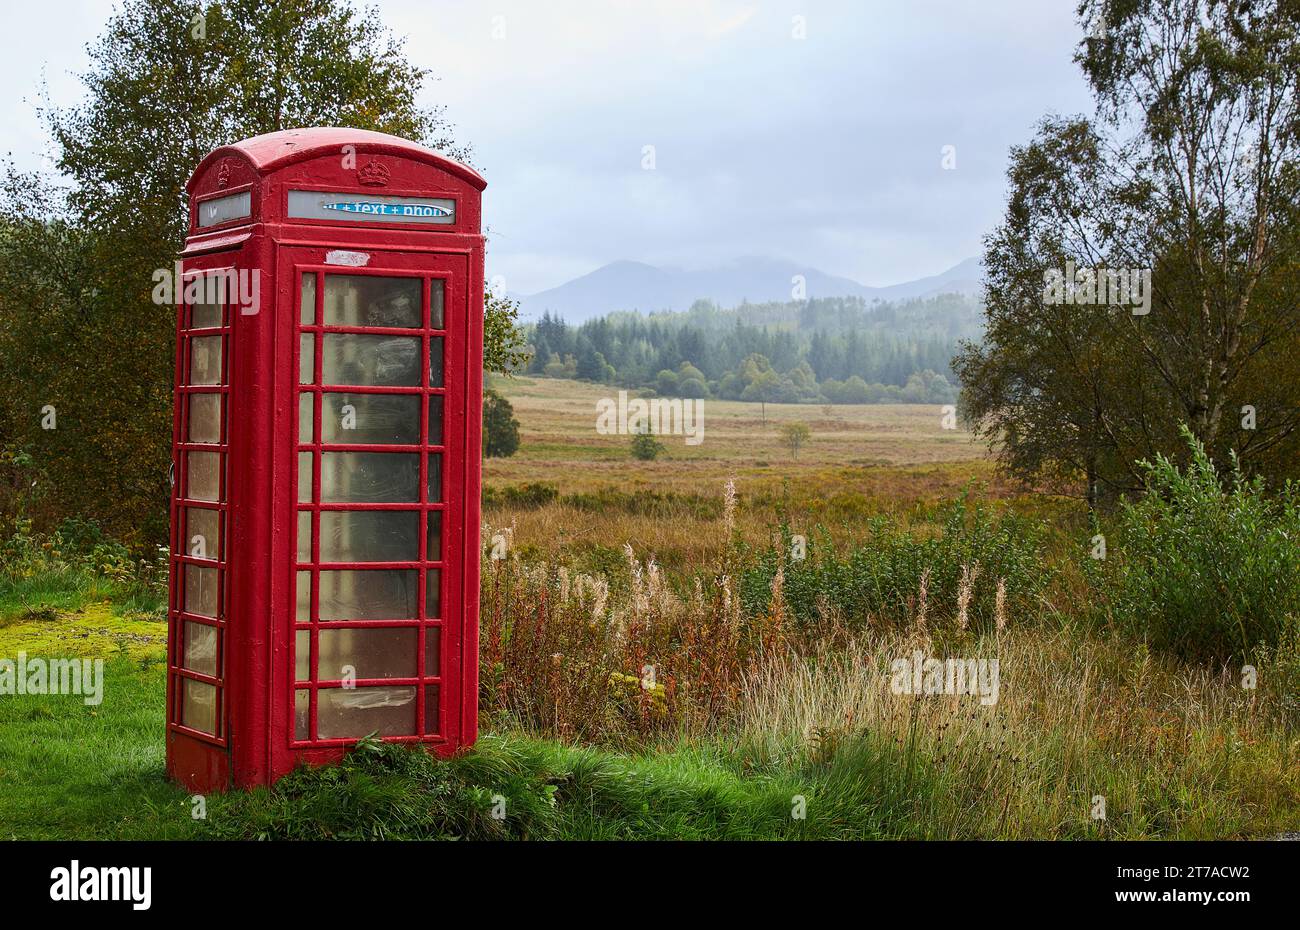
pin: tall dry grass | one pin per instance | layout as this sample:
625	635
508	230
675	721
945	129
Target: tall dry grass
1173	750
638	658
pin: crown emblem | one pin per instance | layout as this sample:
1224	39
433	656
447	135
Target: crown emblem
223	173
372	174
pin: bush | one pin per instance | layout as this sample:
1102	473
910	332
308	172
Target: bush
692	388
500	428
882	580
1205	568
387	791
645	447
794	435
530	495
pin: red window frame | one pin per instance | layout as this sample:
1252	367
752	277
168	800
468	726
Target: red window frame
427	268
180	553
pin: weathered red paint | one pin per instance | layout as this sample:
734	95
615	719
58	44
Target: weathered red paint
257	557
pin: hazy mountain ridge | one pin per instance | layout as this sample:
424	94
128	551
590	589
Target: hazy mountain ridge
637	286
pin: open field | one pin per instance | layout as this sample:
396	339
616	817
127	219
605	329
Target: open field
861	460
558	426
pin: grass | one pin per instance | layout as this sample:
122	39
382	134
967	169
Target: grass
69	771
770	716
1178	753
861	461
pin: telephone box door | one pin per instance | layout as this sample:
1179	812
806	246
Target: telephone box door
370	496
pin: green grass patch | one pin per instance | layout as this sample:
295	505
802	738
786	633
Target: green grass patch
72	771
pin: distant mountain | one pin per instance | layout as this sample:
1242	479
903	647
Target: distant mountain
628	285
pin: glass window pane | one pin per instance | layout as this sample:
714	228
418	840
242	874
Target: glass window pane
207	294
200	652
205	360
361	594
354	712
435	419
371	300
203	476
367	359
304	536
205	418
367	653
201	590
306	418
199	706
302	655
303	612
302	714
433	651
435	361
307	358
203	533
432	709
304	478
435	478
433	594
205	316
308	302
369	477
391	419
436	296
369	536
433	541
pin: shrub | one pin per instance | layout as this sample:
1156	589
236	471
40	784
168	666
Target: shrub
882	580
500	428
1205	568
645	447
530	495
794	435
692	388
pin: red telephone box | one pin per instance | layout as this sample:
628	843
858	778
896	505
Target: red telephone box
327	437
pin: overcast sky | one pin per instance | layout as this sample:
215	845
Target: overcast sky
825	150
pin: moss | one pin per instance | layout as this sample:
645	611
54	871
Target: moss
98	629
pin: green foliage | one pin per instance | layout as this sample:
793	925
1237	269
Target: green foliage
658	505
78	329
882	580
72	566
500	428
388	791
1160	183
903	349
645	446
692	388
503	349
551	791
530	495
591	366
794	435
1206	568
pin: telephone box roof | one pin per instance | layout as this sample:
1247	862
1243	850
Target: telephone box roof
274	150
